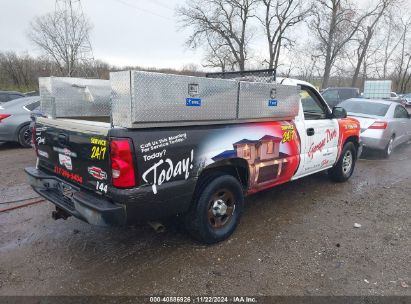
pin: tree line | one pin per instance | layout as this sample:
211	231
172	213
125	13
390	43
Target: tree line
20	72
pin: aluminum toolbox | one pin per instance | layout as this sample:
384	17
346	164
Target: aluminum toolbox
75	97
267	100
142	99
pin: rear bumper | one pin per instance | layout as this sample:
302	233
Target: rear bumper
7	132
82	205
374	143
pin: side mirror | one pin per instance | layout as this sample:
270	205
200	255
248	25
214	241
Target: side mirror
339	112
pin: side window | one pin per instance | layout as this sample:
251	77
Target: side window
14	96
400	112
246	152
33	105
347	94
331	97
3	97
270	147
312	106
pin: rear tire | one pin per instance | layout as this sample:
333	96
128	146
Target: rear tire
216	209
24	136
389	148
344	168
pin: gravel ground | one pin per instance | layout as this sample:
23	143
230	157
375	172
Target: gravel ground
296	239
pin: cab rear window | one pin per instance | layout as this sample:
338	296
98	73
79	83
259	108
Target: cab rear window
368	108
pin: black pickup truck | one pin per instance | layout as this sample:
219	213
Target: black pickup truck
107	175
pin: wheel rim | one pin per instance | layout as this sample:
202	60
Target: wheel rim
389	148
347	162
221	208
27	136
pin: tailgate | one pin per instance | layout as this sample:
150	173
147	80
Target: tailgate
76	151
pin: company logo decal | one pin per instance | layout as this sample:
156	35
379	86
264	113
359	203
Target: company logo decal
65	161
288	133
315	147
193	102
41	140
164	171
65	151
325	162
98	141
43	153
97	173
272	102
351	126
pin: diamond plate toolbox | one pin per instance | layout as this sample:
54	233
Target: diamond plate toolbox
75	97
148	97
267	100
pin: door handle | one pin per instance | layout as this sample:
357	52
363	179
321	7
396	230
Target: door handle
310	131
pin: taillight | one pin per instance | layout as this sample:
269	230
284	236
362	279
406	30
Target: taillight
379	125
3	116
122	167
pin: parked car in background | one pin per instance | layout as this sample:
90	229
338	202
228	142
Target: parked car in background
334	96
406	99
15	119
394	96
384	124
6	96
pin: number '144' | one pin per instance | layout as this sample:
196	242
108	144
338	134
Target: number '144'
101	187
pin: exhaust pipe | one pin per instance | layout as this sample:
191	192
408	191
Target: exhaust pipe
59	214
157	226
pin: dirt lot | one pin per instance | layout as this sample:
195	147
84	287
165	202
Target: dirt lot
296	239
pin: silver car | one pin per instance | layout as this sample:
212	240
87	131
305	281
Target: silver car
384	124
15	119
407	99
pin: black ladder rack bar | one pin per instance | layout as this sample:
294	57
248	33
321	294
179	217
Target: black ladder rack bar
234	74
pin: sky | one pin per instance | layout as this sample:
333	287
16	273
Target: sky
125	32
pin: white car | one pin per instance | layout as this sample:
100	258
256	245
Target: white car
407	99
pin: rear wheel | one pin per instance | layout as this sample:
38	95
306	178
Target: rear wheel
344	168
389	148
217	209
24	136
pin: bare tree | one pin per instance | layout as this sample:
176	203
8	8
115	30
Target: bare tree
63	37
391	39
223	22
278	18
334	24
367	33
403	62
218	55
20	72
